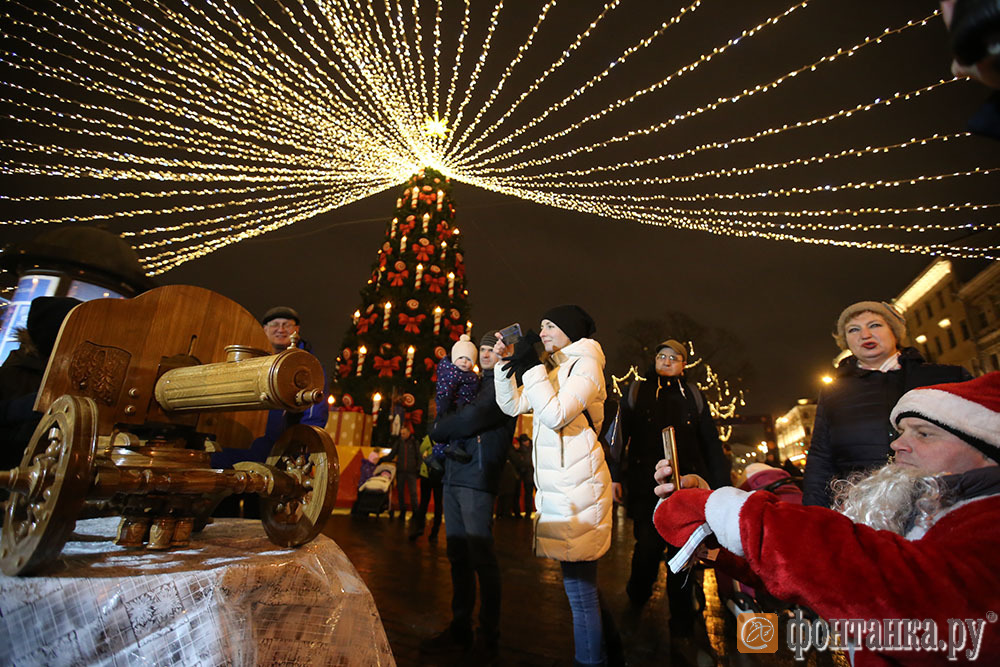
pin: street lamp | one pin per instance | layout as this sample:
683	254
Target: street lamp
826	379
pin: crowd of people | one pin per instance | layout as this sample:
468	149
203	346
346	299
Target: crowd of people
895	519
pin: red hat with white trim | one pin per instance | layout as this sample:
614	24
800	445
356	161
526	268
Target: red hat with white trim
968	410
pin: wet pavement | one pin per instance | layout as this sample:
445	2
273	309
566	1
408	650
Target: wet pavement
411	584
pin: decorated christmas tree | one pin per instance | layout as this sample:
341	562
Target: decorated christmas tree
413	309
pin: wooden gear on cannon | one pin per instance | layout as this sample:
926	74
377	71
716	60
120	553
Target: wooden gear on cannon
136	395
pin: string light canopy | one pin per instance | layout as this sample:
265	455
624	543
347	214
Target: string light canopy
188	127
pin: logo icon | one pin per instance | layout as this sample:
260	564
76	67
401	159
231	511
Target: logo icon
757	633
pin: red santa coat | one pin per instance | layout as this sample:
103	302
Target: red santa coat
843	570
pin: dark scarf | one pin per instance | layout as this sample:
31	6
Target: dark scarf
973	484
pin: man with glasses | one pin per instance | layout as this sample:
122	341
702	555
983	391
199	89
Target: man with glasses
663	398
280	323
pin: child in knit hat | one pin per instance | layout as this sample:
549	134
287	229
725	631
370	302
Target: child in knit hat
457	385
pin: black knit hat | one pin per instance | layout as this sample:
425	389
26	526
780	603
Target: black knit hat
488	339
280	311
573	320
44	319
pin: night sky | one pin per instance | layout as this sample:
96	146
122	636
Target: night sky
779	298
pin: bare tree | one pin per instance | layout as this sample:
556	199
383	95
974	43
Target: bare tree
717	347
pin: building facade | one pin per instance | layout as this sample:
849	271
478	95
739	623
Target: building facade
794	430
981	297
951	322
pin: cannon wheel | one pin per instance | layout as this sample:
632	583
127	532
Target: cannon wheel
308	454
58	464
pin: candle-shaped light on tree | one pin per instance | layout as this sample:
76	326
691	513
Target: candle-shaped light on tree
437	320
468	327
444	249
420	275
402	244
376	402
409	360
357	316
388	312
399	203
440	199
451	285
427	220
392	229
362	351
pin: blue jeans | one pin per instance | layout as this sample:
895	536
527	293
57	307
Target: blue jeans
580	582
468	524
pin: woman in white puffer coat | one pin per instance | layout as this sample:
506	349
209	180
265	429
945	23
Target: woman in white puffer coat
574	498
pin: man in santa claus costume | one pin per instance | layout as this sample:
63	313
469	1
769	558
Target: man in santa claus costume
917	539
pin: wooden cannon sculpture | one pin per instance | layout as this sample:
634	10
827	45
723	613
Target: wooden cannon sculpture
136	395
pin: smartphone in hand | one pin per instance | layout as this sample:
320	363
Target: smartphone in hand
511	334
670	454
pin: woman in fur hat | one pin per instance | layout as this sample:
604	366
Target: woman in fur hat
852	430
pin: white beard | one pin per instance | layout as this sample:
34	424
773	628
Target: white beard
894	498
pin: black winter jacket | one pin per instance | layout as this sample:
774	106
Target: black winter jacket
406	453
486	433
699	450
852	430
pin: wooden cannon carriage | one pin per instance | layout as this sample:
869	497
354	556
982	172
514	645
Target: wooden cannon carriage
136	396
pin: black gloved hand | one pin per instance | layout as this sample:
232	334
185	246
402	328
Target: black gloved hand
524	355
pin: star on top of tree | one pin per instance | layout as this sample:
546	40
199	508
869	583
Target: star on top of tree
436	127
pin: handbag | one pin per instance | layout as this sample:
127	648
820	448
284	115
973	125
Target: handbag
614	438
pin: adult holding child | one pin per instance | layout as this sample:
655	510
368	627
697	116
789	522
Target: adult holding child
482	430
574	497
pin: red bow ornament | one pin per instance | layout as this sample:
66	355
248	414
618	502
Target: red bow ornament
423	252
365	322
396	279
411	324
386	367
412	418
432	367
435	285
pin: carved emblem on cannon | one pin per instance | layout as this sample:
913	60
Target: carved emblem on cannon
136	395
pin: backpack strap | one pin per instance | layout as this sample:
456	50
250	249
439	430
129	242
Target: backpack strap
586	413
699	400
633	393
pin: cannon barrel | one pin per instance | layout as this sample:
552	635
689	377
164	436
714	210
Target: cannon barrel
290	380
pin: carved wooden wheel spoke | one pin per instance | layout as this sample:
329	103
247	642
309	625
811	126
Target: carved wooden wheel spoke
308	455
55	475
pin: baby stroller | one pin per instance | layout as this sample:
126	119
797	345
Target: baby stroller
739	597
373	494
